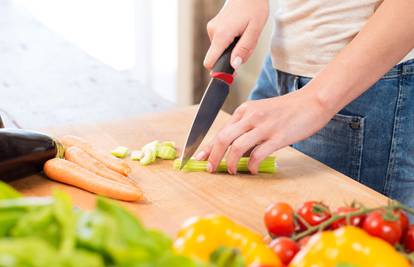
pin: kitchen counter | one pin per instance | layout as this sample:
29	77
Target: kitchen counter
175	196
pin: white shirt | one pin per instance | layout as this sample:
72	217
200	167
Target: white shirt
310	33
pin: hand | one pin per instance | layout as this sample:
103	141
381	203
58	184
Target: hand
245	18
266	126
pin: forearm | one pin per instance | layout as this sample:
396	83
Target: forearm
386	38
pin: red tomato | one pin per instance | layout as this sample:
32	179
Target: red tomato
285	248
403	220
313	213
279	219
302	242
409	239
376	225
354	220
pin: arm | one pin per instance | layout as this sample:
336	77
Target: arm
383	42
386	38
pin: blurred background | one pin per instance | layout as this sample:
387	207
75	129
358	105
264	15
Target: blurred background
67	61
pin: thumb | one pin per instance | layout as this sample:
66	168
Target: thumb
245	46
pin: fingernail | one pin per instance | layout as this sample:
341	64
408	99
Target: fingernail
237	62
232	172
209	167
200	155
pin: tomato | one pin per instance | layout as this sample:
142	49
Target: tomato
354	220
376	225
302	242
409	239
313	213
279	219
285	248
403	220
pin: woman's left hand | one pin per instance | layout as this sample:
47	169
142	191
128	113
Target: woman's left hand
266	126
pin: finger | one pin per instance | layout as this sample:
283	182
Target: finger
245	46
224	139
219	43
204	153
240	146
210	30
260	153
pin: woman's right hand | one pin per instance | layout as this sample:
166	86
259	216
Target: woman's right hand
244	18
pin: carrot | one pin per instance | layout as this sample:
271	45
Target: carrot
83	159
67	172
112	163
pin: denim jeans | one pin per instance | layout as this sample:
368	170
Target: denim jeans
371	139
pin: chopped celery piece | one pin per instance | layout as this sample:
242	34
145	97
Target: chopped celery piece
153	146
149	157
154	149
137	155
168	143
120	152
268	165
166	152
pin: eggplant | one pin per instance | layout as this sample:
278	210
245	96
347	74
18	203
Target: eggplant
24	152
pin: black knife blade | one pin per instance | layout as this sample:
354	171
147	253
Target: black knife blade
211	103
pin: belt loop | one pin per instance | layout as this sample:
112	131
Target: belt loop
296	83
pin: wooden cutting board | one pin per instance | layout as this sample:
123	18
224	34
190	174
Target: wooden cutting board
175	196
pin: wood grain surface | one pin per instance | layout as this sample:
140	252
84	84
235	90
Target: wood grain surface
175	196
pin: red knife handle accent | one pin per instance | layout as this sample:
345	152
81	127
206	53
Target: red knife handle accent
226	77
223	69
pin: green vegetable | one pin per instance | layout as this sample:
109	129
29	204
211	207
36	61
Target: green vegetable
166	152
137	155
8	192
120	152
149	152
168	143
149	157
268	165
39	232
227	257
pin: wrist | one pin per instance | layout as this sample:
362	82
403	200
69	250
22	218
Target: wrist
323	98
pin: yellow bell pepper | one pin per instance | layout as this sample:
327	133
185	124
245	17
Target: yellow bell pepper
200	236
350	245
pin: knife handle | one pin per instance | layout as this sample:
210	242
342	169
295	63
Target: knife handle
223	69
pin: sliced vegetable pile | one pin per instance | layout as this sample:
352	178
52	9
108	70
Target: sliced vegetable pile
354	235
90	169
41	232
149	152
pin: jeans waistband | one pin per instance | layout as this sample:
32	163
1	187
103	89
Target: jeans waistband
403	68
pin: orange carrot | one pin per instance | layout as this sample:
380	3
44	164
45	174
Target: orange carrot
67	172
83	159
112	163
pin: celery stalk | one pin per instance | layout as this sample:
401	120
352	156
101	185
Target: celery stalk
268	165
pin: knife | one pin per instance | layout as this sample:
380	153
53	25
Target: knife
211	103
